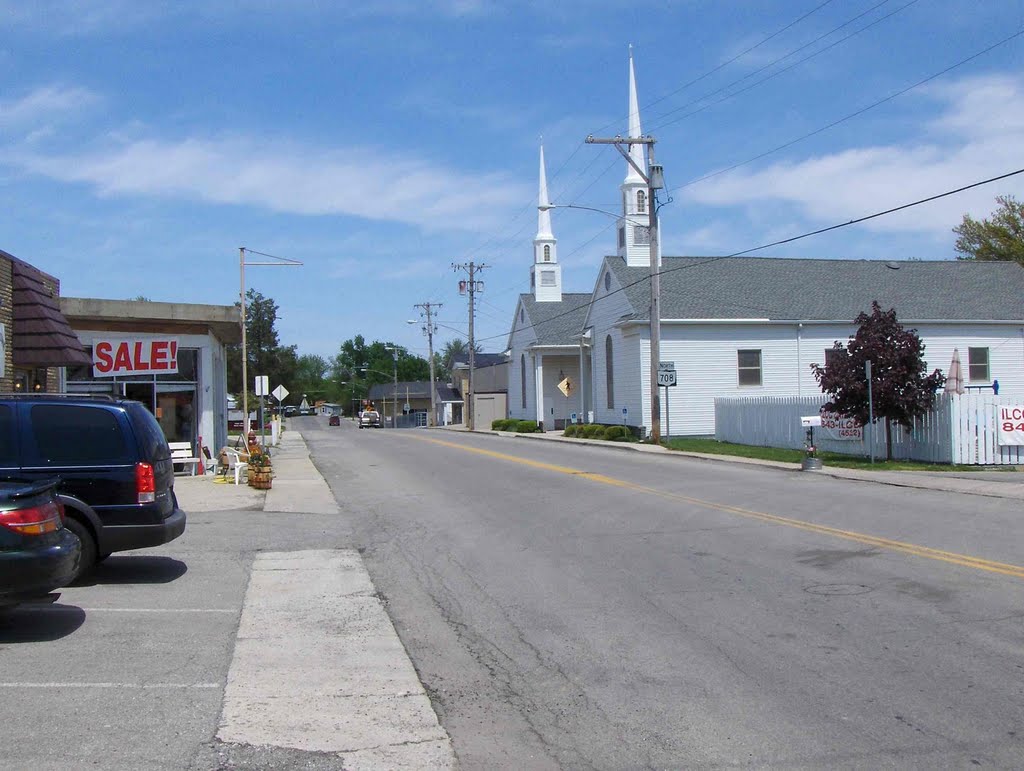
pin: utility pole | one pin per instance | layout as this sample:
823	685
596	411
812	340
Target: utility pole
471	287
428	309
655	179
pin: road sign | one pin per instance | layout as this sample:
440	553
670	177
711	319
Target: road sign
666	378
279	393
566	386
573	417
625	411
666	365
262	385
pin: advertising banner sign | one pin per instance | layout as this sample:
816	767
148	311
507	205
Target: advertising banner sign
1010	424
130	356
835	426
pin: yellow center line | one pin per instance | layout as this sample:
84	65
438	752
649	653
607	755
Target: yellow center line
953	558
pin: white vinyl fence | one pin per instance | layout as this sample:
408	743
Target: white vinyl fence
959	429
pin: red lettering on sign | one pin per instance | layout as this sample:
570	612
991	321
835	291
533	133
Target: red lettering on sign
104	362
174	354
159	355
141	365
122	358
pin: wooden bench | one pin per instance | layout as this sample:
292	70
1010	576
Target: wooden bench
181	455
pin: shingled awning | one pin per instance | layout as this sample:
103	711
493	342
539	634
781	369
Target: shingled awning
41	336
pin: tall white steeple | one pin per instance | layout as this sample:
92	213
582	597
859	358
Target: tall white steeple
545	273
634	237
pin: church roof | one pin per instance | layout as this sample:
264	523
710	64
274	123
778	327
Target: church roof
557	323
808	289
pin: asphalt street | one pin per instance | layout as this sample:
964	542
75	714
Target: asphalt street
576	607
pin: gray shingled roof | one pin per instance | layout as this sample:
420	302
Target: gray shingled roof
557	323
480	360
774	288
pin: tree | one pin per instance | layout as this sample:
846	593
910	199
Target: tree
998	238
360	366
900	389
455	350
264	353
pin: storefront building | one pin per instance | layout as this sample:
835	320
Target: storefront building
35	338
169	356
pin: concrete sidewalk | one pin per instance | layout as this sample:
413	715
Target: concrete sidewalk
317	665
993	484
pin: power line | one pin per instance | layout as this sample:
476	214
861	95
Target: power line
781	242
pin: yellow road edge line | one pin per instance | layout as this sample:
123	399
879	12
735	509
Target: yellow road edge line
927	552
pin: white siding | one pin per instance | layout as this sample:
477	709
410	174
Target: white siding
521	338
555	369
705	357
608	307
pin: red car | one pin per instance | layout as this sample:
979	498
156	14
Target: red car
334	420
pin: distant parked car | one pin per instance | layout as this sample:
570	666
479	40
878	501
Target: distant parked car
334	420
290	411
115	472
37	553
369	419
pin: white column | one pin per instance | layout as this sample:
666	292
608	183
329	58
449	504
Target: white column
538	384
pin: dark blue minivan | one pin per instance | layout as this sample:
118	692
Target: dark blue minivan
112	462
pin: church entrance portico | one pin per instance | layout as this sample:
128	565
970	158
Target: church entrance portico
554	372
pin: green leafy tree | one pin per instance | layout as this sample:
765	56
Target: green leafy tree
360	365
999	238
455	350
264	353
901	391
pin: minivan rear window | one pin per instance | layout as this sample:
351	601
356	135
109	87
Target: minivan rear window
151	436
71	435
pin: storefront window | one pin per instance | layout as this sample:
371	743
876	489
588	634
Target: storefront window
170	397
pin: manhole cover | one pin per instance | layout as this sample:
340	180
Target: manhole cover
840	589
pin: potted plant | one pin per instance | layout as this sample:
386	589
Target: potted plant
260	469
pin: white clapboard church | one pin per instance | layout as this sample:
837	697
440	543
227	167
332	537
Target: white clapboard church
735	326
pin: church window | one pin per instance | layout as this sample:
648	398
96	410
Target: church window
547	278
522	315
622	237
641	235
641	201
522	377
607	280
547	253
609	375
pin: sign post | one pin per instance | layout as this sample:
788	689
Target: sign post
280	393
871	413
667	380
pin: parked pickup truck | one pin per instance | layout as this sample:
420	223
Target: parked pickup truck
369	419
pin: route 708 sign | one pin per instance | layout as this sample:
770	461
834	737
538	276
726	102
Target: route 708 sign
666	374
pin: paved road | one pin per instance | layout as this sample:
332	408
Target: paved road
576	607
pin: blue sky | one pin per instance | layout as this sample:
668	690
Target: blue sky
143	141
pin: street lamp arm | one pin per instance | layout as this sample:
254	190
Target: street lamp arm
549	206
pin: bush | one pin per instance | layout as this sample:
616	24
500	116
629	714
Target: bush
615	433
525	426
571	430
503	424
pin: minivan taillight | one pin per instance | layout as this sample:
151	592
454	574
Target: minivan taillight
145	482
35	520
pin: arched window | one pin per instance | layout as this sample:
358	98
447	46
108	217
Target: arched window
547	253
522	377
609	374
607	281
641	201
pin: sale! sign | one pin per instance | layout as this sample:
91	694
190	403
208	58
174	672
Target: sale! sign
1010	424
835	426
132	356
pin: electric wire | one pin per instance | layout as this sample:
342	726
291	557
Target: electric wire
780	242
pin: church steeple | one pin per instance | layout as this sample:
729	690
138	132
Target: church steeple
545	273
634	236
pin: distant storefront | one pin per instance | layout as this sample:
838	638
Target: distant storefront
169	356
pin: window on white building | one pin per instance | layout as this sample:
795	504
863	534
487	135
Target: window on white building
641	235
749	367
547	278
547	253
522	377
641	201
977	365
609	374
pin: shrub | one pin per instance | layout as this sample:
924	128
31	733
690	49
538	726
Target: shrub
525	426
593	431
615	433
502	424
571	430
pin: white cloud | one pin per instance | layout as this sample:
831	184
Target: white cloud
45	103
975	137
360	182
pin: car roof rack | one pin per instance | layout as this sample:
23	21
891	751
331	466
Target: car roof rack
42	395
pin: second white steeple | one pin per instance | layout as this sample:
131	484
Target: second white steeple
634	235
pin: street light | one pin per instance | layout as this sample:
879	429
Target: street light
281	262
654	178
655	182
394	414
